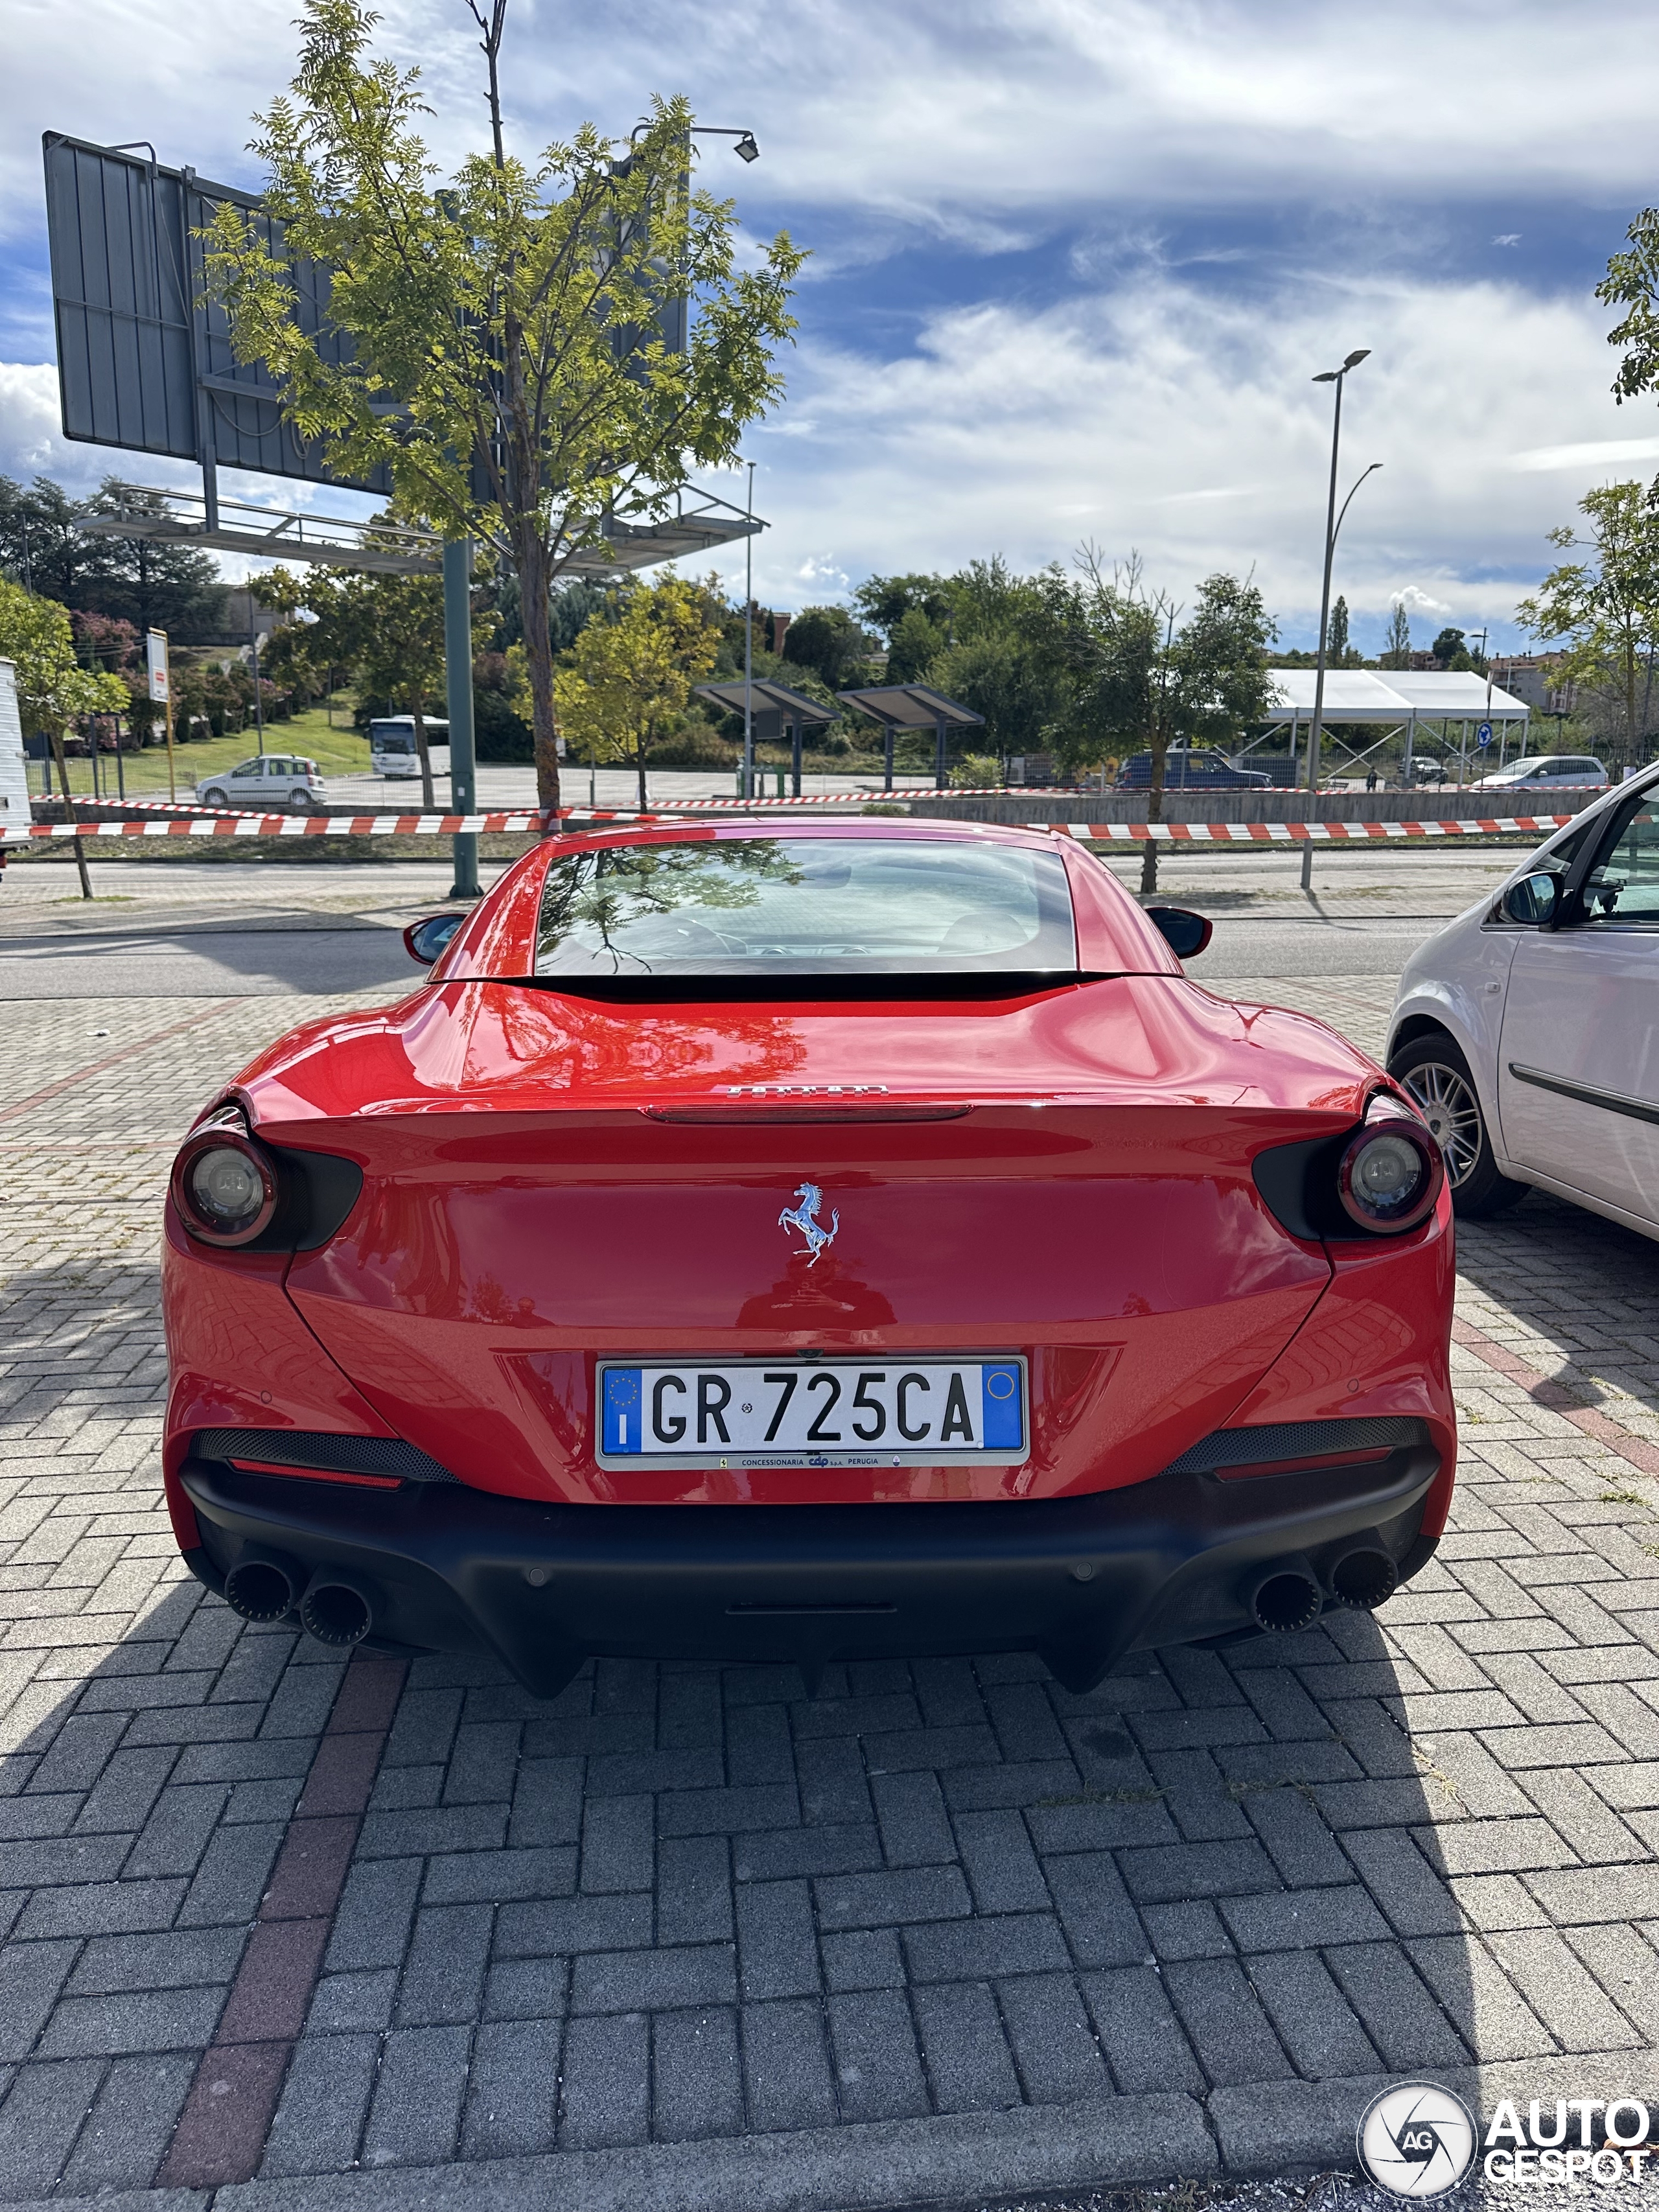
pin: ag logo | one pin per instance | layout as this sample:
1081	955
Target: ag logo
1417	2139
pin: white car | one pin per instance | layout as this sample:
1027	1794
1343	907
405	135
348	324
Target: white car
1546	772
1525	1029
269	783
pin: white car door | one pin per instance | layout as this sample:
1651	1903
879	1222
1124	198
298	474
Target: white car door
1578	1062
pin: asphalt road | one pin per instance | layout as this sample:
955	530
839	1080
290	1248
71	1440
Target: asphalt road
175	958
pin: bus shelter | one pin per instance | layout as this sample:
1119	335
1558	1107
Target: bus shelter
772	708
913	707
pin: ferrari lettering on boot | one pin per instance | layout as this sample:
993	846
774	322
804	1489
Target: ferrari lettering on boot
804	1217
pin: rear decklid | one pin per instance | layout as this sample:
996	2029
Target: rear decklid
551	1179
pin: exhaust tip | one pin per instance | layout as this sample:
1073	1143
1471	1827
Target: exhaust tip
336	1611
1366	1579
259	1589
1286	1602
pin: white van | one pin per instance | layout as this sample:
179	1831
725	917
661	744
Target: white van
14	768
392	747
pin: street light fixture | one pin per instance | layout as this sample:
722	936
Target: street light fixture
745	149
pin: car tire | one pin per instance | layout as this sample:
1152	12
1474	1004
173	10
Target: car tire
299	802
214	797
1438	1076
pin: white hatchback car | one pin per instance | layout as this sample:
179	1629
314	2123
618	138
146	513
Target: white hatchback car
1526	1029
1546	772
269	783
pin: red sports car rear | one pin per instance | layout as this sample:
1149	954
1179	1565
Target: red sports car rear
854	1240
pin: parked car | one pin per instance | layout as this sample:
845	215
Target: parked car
1197	771
858	1240
392	749
1546	772
269	783
1524	1029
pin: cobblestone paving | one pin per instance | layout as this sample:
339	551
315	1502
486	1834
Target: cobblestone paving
942	1928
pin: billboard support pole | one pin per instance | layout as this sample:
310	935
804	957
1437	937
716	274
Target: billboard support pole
206	447
457	675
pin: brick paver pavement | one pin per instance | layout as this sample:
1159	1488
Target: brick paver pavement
686	1936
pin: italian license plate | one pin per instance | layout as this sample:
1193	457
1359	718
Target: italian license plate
814	1413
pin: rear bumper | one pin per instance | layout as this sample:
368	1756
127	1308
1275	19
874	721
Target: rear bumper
1081	1581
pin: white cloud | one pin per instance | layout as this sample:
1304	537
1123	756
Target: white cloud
978	116
1507	238
1125	415
1600	453
1417	601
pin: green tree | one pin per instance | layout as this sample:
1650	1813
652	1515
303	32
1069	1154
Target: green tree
53	689
1336	635
626	683
884	601
1008	657
149	582
1605	609
1397	638
42	547
830	643
914	645
1144	683
505	356
389	630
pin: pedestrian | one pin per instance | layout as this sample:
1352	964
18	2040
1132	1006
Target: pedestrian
1371	779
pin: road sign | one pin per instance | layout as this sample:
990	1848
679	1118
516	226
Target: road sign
1483	735
156	659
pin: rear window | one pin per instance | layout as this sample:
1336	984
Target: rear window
776	906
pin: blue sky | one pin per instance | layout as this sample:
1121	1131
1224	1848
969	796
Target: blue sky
1075	261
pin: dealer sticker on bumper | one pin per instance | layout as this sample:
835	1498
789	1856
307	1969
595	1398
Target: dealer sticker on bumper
814	1414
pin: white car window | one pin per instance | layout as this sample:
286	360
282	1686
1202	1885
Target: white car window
1622	890
247	768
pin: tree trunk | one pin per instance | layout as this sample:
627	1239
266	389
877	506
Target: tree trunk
533	581
1160	753
57	743
428	801
639	762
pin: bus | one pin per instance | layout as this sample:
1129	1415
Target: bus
392	748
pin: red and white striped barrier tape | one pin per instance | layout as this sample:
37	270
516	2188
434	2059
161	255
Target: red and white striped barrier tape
1115	833
1303	833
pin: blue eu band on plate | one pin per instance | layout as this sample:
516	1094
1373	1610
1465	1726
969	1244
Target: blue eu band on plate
816	1413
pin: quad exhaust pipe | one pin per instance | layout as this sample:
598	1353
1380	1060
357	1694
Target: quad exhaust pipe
333	1606
1287	1599
1364	1578
1289	1595
336	1608
263	1586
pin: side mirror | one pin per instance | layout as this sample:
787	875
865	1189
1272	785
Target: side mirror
1532	901
426	941
1185	935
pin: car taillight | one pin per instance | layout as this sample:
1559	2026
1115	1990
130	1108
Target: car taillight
1390	1172
224	1184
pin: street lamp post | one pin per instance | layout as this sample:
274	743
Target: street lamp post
749	644
1333	524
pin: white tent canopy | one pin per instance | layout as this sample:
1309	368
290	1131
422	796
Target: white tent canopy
1361	695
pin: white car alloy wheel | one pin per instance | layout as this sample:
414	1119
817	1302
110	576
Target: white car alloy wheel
1452	1112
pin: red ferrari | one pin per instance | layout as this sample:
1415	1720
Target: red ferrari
844	1240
